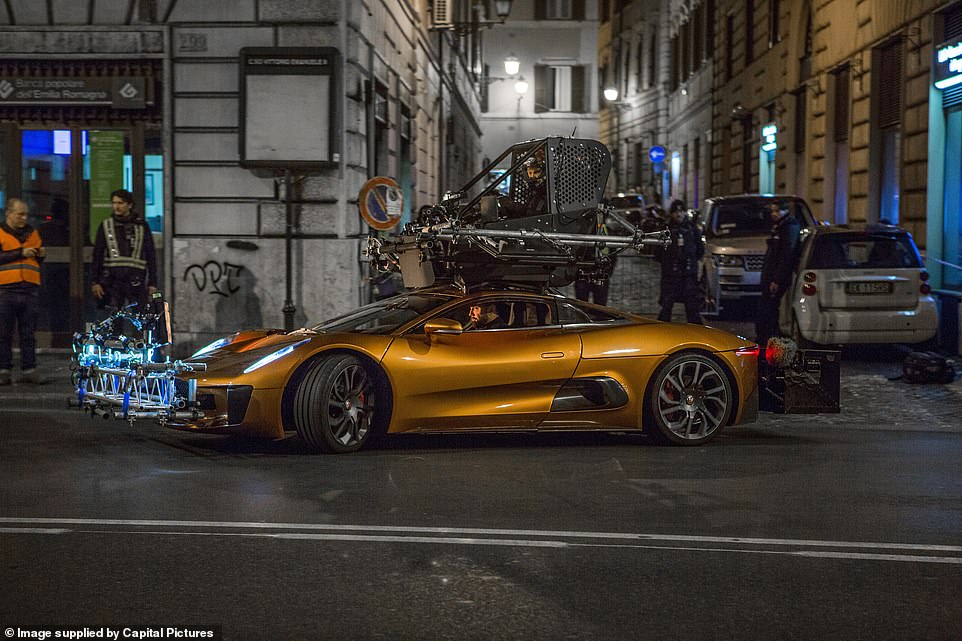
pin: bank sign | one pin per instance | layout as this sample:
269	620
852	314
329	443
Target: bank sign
116	92
947	70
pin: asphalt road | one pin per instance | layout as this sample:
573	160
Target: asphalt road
795	528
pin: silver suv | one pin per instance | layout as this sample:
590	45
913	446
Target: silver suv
736	229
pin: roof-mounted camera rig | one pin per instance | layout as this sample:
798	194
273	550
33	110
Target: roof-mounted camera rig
536	227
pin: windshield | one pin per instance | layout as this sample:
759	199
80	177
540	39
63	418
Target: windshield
864	251
383	317
627	202
750	217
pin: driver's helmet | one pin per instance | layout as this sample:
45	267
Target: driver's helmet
534	169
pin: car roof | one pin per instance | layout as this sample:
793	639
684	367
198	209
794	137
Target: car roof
859	228
736	198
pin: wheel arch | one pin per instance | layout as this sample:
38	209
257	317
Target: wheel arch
372	367
647	412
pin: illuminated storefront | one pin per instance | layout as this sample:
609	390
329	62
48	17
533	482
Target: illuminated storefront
945	152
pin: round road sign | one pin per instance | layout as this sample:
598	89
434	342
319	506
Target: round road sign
381	202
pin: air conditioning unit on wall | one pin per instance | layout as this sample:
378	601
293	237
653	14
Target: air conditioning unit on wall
441	13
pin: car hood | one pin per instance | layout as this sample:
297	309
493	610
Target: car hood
743	245
226	365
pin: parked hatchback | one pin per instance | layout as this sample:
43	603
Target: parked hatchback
859	284
736	230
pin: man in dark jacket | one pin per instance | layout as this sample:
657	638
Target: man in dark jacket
21	252
679	265
124	267
777	270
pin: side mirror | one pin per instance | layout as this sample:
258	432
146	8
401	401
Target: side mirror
444	326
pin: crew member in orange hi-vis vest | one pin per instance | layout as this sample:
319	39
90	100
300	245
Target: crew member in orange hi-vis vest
21	252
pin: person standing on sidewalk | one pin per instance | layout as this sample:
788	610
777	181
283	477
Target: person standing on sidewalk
124	266
777	270
679	266
21	252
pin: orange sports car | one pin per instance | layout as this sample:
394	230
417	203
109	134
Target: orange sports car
440	359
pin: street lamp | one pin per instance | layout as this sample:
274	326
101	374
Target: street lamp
611	94
521	86
512	65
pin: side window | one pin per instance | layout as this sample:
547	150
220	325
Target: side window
503	314
528	313
571	314
478	315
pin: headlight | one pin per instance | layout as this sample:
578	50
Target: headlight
727	260
273	356
220	342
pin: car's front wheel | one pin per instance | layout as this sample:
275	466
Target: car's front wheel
690	399
335	404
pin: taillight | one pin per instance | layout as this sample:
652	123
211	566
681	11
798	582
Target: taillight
925	289
923	275
809	287
748	351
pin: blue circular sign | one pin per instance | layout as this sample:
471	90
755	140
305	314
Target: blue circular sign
656	153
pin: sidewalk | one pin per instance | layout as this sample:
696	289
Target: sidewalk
54	365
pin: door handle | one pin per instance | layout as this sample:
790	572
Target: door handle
552	354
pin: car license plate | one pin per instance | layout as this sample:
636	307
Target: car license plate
868	288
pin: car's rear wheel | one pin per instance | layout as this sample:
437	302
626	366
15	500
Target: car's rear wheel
690	399
335	404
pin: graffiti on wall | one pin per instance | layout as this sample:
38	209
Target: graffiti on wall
238	306
214	277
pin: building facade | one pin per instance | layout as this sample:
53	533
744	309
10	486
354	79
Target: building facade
150	95
853	104
554	43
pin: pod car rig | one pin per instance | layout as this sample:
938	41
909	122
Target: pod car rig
117	376
507	233
494	236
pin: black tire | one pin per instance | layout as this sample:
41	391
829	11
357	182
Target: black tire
690	399
335	405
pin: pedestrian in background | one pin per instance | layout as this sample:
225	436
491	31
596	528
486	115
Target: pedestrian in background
124	267
595	283
21	252
679	265
777	270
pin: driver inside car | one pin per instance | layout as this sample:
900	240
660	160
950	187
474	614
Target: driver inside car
484	316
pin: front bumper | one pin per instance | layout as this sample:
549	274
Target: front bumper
235	409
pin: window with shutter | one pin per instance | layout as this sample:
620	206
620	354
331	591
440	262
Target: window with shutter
543	89
841	80
578	102
749	32
889	58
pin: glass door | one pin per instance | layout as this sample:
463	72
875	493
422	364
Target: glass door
46	178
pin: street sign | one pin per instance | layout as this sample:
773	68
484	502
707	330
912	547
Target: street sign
656	153
381	203
119	92
288	107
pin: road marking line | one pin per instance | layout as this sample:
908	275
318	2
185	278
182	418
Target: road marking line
485	532
540	543
482	531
